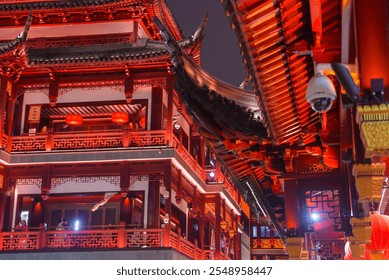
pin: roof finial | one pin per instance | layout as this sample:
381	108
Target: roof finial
199	34
23	35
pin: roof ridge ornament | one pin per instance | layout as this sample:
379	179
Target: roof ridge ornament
171	44
23	35
199	33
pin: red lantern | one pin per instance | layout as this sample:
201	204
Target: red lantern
120	117
386	253
380	234
74	119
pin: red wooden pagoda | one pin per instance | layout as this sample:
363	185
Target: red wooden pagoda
110	122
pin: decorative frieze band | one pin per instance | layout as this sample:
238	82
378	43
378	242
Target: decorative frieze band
373	123
369	181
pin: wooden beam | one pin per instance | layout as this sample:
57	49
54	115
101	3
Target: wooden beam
89	75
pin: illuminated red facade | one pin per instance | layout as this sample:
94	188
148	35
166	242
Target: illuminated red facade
110	121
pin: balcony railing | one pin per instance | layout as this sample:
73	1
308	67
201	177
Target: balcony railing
96	239
82	140
190	160
105	140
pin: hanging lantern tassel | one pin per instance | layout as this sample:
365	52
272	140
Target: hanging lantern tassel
120	117
73	119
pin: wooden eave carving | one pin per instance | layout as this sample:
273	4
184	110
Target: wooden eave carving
373	121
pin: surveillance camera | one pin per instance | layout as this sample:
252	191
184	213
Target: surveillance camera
320	93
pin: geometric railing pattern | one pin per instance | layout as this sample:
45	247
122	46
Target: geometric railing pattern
94	239
71	141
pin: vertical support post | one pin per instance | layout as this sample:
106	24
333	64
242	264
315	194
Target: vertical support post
202	151
201	223
135	32
124	178
153	205
122	235
169	128
49	140
3	99
156	108
217	226
168	203
126	136
11	107
178	197
125	207
128	86
46	182
11	185
41	237
291	204
4	196
53	89
373	58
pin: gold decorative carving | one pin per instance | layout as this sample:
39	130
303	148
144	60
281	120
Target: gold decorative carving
294	247
357	249
373	122
368	180
362	229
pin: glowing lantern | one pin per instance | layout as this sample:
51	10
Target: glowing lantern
120	117
73	119
380	234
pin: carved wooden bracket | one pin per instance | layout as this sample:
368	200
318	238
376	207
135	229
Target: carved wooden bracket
362	229
369	180
294	247
373	123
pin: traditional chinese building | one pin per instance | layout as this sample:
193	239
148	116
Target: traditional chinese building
110	122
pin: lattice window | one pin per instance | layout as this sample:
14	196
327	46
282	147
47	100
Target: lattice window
322	206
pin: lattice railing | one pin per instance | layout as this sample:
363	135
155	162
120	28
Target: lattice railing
76	141
209	254
174	242
144	238
193	164
12	241
87	141
110	238
4	141
230	188
28	143
82	239
147	138
224	256
199	254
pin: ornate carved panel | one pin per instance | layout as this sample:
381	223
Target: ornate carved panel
29	143
29	182
323	208
55	182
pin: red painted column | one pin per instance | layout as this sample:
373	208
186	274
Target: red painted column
372	34
168	203
291	204
3	98
217	200
11	110
153	205
156	108
169	125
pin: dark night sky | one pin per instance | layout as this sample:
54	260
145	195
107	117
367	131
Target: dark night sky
220	54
